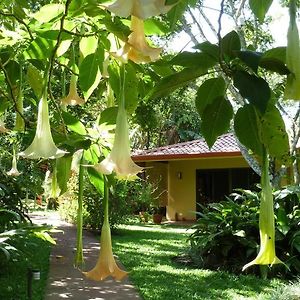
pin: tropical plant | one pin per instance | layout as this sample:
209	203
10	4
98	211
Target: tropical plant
101	49
226	233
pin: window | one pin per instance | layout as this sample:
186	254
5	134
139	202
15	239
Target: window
213	185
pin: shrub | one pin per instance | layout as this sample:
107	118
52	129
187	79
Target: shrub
93	205
226	235
127	198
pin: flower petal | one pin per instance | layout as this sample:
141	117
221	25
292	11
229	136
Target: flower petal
106	264
142	9
73	97
42	145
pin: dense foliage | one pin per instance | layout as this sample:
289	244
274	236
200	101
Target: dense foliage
57	54
126	199
226	233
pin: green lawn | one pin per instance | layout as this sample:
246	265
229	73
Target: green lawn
147	251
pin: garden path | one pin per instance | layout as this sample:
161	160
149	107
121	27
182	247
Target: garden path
66	282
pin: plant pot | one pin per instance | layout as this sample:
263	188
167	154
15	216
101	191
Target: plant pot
157	218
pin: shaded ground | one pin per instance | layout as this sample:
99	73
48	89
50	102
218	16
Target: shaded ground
64	281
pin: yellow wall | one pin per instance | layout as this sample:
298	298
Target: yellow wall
179	195
182	192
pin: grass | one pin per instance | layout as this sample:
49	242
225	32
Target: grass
33	253
147	251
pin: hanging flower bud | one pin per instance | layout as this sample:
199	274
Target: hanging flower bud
14	170
266	254
139	8
42	145
73	97
137	48
119	159
292	89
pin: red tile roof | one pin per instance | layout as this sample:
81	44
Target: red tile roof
225	145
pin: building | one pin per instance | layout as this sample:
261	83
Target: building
190	173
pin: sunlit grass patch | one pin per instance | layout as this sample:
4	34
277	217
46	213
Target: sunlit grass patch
147	252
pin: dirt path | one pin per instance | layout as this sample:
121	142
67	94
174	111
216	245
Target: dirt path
64	281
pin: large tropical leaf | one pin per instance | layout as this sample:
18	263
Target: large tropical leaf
216	119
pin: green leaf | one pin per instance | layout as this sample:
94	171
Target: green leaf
73	124
208	91
89	73
49	12
109	115
131	89
216	119
35	80
170	83
116	27
176	14
171	2
96	180
255	89
114	78
209	49
260	8
193	59
154	26
92	154
230	44
88	45
250	58
63	47
40	48
246	128
13	71
274	60
274	135
63	168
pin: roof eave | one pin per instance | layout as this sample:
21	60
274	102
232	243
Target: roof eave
153	157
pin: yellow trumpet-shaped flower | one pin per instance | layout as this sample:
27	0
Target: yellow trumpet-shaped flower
106	264
119	159
142	9
73	98
266	254
137	48
14	170
42	145
292	89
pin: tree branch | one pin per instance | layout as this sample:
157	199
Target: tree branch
19	20
11	91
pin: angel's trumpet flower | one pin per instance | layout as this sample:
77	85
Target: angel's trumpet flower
266	254
72	98
292	89
119	159
14	170
137	48
106	264
139	8
42	145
